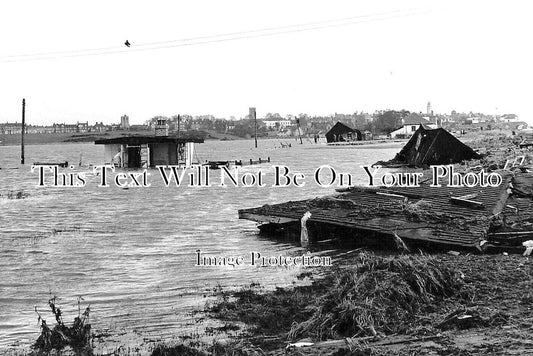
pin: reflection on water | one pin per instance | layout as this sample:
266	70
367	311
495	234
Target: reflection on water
131	252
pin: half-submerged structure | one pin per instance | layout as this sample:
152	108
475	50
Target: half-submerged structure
342	133
432	147
146	151
479	218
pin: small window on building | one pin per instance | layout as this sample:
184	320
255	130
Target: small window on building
413	128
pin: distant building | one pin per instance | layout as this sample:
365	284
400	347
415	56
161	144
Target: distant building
125	122
277	123
161	127
98	127
8	128
71	128
509	118
342	133
477	119
82	126
410	124
39	129
447	118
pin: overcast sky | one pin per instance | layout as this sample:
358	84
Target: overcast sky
459	55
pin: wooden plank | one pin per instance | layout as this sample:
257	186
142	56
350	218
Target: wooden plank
392	195
467	202
260	218
468	196
509	233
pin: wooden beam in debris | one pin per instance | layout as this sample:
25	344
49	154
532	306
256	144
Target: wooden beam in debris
468	196
392	195
467	202
379	190
264	218
510	233
510	238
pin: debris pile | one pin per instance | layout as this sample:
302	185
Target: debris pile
379	295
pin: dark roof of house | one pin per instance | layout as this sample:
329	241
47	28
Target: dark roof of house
139	140
338	129
413	120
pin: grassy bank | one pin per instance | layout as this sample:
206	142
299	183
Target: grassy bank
54	138
383	305
45	139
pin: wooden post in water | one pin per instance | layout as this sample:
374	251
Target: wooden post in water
23	129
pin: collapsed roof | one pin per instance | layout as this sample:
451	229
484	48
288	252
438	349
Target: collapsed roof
432	147
491	219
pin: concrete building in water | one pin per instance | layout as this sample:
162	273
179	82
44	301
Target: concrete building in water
149	151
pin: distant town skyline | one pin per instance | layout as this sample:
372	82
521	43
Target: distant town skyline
70	62
265	116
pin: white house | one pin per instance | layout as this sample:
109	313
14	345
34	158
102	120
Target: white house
509	118
409	125
274	123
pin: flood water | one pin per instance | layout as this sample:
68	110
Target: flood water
131	253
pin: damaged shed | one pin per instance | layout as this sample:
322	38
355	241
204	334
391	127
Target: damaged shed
342	133
432	147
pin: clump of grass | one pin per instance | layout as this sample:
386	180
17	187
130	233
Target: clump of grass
77	336
417	211
378	295
268	313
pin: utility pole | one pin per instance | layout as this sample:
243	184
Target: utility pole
299	135
23	129
372	127
181	147
253	116
179	126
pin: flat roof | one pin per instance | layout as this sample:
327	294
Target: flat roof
382	210
139	140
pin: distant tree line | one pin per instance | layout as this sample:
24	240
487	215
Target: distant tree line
379	122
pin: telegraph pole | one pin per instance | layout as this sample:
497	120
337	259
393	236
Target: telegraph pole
179	126
253	116
299	135
23	129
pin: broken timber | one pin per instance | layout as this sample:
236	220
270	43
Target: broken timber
443	217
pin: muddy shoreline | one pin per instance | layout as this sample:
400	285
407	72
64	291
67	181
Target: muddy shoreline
467	304
483	304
